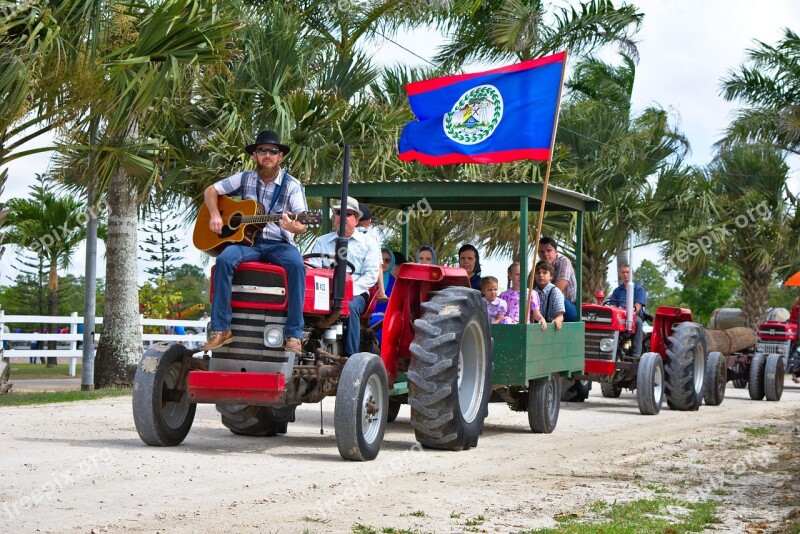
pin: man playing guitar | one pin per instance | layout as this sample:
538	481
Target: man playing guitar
276	193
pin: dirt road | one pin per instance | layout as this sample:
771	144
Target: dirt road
80	467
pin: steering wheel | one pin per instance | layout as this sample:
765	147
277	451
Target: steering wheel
324	256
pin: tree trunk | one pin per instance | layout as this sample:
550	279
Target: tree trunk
594	276
52	286
121	342
755	294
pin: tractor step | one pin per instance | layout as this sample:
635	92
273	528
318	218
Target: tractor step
218	387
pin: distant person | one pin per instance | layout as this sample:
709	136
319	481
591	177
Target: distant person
619	297
426	255
563	276
550	297
470	261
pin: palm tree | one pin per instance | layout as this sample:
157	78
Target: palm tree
50	226
150	56
517	30
770	87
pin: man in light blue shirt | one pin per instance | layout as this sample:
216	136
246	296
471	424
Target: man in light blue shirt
619	297
366	259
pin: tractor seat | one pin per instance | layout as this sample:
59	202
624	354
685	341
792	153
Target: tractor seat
371	301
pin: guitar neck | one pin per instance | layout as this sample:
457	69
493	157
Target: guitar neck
263	219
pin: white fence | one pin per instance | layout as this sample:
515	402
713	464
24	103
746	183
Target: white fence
68	343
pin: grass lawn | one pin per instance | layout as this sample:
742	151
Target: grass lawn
50	397
27	371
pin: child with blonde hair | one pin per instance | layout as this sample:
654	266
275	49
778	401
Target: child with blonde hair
495	305
511	296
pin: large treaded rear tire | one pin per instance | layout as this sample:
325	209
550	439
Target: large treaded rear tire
160	422
774	371
755	380
260	421
449	378
573	390
685	367
716	379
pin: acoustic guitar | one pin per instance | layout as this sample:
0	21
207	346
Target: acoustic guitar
241	219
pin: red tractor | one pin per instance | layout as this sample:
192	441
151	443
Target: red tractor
673	366
436	329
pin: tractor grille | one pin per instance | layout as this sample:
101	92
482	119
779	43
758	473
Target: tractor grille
248	330
593	338
596	316
258	286
773	348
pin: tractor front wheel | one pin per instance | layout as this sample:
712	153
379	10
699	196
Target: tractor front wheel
685	368
162	414
362	404
716	379
755	381
650	383
449	379
573	390
773	377
610	390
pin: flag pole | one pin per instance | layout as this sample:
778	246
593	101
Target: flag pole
544	191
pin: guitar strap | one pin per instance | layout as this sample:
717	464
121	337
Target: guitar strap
277	193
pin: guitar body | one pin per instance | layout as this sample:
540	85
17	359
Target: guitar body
233	231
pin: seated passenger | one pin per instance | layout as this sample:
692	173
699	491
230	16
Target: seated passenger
426	255
619	297
470	260
563	276
550	297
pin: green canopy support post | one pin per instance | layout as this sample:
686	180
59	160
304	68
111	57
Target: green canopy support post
579	263
405	234
523	257
326	210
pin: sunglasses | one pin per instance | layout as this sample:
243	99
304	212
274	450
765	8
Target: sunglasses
347	213
263	151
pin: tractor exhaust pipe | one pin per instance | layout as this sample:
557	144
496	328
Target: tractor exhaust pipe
340	268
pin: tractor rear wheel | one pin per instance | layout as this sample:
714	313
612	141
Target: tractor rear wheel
246	420
362	403
575	390
610	390
160	419
755	382
685	368
450	375
773	377
544	404
650	383
716	379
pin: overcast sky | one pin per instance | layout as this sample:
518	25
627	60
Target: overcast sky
685	48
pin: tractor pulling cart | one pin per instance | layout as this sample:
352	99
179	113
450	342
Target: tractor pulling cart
437	354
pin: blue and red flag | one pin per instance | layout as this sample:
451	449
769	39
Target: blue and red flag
500	115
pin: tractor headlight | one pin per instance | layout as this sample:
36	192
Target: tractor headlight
607	344
273	336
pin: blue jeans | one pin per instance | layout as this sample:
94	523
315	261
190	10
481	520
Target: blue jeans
570	312
352	335
278	252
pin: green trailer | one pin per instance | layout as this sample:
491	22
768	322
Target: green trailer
528	364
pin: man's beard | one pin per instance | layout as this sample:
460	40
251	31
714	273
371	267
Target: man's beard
265	172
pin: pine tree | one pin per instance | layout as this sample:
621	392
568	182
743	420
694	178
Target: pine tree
162	243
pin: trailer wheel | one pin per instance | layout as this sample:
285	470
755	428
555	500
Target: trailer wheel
650	383
573	390
394	409
610	390
755	382
246	420
160	421
449	378
362	403
773	377
740	383
685	367
716	379
544	404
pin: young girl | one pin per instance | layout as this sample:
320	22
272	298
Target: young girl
495	305
511	296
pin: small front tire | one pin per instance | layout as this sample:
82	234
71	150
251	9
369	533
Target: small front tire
544	404
773	377
650	383
715	380
755	381
362	404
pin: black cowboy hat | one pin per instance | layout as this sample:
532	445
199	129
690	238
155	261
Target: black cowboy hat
267	137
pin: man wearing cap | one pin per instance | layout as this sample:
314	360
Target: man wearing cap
366	259
278	193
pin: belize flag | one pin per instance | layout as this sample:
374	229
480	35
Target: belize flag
500	115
